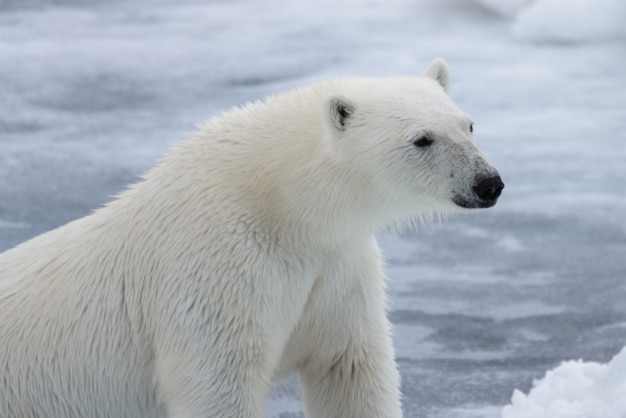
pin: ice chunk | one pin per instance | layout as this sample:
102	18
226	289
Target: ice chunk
575	389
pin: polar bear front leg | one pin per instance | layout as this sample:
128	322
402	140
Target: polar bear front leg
191	388
349	370
216	367
360	381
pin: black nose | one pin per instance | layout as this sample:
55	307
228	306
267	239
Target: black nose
489	189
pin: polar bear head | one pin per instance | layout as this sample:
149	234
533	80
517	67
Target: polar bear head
411	140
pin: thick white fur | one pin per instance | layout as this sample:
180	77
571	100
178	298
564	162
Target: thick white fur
245	255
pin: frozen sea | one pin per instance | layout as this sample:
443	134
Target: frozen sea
92	93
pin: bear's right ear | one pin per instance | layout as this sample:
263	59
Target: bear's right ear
338	110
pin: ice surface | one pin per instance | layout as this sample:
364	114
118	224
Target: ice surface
575	389
94	92
507	8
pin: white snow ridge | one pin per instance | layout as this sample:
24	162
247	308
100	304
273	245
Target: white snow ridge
575	389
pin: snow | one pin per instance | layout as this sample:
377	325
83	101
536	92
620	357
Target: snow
565	21
572	20
94	92
575	389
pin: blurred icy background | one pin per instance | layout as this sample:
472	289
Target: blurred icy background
93	92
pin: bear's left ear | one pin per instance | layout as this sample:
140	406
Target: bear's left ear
438	71
338	110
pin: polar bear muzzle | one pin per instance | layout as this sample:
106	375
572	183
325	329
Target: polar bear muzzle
487	190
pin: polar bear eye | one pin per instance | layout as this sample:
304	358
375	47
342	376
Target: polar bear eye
423	142
471	127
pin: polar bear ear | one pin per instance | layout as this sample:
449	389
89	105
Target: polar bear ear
338	110
438	71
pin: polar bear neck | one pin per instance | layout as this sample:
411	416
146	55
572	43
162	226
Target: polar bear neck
268	162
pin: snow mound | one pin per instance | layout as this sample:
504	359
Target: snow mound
575	389
572	21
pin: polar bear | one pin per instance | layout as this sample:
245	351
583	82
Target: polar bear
246	254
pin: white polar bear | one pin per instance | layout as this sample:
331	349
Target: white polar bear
247	254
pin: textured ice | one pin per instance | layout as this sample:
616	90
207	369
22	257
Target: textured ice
507	8
93	92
